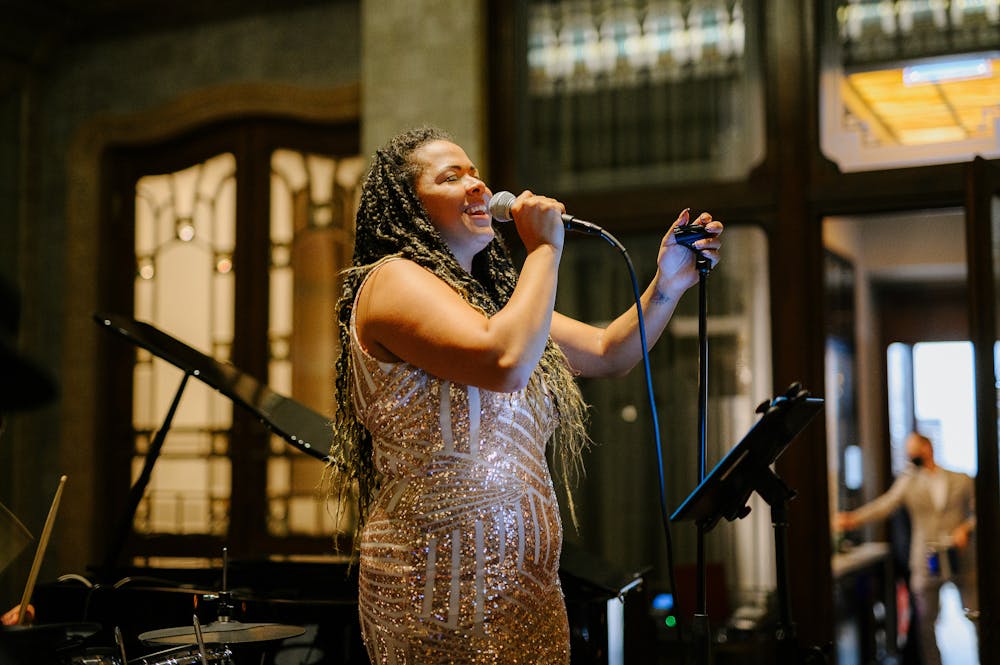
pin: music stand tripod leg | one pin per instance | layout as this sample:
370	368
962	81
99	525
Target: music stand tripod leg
777	495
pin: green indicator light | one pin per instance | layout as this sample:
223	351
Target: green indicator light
671	621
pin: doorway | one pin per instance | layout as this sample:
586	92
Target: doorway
898	360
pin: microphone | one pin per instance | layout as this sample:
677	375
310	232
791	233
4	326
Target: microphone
501	202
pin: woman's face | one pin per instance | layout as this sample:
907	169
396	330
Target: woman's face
455	198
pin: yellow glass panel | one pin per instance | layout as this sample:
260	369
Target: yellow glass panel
312	207
280	375
282	281
278	476
185	284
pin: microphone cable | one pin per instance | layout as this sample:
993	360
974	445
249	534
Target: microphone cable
657	441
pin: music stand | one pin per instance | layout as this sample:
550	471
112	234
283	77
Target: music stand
746	469
299	425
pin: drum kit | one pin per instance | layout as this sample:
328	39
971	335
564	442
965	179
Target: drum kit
215	643
225	639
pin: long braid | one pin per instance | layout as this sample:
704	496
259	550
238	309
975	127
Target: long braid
391	221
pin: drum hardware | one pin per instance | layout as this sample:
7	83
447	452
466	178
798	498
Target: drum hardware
186	655
225	630
177	655
95	656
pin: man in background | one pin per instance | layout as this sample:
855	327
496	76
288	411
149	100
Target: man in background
941	507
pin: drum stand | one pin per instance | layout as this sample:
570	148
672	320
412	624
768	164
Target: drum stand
224	631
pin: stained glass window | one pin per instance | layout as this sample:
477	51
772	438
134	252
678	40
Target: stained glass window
313	198
185	279
185	233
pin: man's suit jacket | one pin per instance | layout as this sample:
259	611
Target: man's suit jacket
931	525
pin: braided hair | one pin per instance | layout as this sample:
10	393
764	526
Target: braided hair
391	221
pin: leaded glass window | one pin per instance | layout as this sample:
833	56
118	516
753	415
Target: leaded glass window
185	234
641	90
185	284
313	198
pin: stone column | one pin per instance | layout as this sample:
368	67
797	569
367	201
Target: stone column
423	62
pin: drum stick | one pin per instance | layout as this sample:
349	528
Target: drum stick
43	542
201	642
120	642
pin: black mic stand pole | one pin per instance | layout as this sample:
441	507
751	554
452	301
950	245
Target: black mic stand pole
700	628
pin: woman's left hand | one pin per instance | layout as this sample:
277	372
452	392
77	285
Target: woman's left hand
11	616
676	264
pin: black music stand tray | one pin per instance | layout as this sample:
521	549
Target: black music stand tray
746	469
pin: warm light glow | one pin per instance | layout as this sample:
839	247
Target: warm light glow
147	270
949	105
185	230
322	215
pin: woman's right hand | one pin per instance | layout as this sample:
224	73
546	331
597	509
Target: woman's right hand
539	220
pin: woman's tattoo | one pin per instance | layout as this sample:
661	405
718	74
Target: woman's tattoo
660	297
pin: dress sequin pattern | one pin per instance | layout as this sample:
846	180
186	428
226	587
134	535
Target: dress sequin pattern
460	554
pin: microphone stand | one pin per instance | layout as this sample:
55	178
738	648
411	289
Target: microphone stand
700	628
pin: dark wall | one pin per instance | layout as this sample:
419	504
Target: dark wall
55	86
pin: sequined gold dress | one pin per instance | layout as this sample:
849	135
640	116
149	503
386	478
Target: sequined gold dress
460	554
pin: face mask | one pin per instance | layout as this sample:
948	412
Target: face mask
917	461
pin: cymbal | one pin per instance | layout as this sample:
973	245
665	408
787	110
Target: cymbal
223	632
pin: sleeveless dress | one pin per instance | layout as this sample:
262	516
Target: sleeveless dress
460	555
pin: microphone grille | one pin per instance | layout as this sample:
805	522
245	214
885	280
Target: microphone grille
500	204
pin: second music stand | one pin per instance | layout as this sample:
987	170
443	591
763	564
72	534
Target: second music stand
747	469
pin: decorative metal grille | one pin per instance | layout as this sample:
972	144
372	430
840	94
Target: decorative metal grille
885	31
651	90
